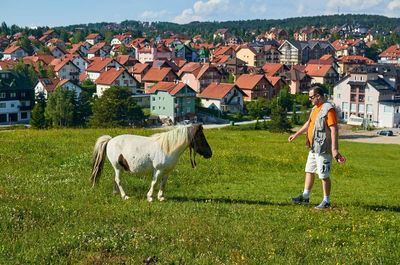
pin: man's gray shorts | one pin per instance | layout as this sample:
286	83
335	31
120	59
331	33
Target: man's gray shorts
320	164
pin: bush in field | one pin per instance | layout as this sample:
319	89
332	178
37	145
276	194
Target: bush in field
60	108
279	121
115	108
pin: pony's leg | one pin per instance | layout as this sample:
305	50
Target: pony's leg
160	196
117	182
116	189
156	174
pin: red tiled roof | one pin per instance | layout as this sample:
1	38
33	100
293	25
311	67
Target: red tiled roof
317	69
123	59
197	69
171	87
97	47
301	68
109	76
217	91
98	64
352	58
49	84
271	69
179	61
392	51
326	57
274	79
83	76
8	63
48	32
221	50
220	59
344	44
92	36
157	74
11	49
139	68
248	81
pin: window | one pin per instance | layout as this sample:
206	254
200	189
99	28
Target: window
361	108
369	98
3	105
153	107
24	115
23	94
13	95
2	94
369	108
339	96
345	106
388	109
153	98
353	107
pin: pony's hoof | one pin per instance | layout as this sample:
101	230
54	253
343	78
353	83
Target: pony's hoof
150	199
162	199
125	197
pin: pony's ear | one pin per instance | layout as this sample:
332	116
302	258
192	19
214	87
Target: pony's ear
197	127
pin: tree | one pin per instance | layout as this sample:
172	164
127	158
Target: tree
85	102
116	107
60	108
294	118
279	121
38	120
50	73
122	50
26	45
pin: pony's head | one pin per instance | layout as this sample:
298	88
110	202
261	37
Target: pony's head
199	143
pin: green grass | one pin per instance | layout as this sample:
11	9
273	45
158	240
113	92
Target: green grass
232	209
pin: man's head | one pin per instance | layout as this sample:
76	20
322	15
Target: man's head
316	95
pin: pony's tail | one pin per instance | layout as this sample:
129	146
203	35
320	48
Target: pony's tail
98	158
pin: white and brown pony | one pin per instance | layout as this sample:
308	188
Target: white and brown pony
157	154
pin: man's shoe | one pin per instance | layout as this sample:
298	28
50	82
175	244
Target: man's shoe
323	205
300	200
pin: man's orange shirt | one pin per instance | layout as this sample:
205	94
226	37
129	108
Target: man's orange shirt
331	119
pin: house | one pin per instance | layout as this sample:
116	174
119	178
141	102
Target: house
121	39
306	33
155	75
173	100
14	53
370	92
300	52
222	97
46	86
82	48
100	49
254	86
99	65
251	56
224	50
56	42
235	66
57	52
115	77
199	75
391	55
126	60
186	52
149	54
15	97
272	54
94	38
349	47
128	50
277	82
298	81
322	73
166	63
274	69
348	62
77	60
139	70
222	34
50	34
276	34
66	69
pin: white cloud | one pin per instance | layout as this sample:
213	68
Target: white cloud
202	9
300	9
259	9
394	4
153	15
352	4
186	17
210	6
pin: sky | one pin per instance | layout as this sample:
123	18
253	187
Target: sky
69	12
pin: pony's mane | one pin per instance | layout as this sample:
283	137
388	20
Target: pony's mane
174	139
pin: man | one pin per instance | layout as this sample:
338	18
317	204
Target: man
322	138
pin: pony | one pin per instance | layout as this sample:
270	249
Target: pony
157	154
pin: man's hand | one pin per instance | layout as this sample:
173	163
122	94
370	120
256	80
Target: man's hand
335	153
292	137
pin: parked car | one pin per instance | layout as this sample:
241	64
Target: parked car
386	132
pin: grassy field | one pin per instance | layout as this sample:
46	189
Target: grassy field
232	209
